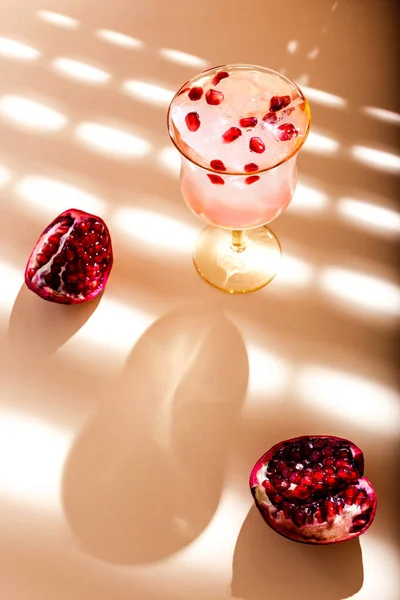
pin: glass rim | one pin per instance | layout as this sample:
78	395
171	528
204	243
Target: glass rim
248	66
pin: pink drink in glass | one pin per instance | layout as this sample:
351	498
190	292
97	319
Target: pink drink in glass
240	131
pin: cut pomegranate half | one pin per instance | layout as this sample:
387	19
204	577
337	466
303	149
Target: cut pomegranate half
311	489
72	259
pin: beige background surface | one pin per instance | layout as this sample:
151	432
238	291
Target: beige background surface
128	427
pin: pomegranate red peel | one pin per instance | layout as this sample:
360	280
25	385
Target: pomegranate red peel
71	260
311	489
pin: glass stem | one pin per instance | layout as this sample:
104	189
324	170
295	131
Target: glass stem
238	240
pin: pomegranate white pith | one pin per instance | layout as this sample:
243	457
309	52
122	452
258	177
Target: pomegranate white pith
72	259
311	489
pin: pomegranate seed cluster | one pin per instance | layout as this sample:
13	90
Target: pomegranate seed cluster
310	469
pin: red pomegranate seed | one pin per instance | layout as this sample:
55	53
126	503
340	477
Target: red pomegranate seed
278	102
195	93
270	117
257	145
215	179
359	523
231	135
192	121
248	122
219	76
287	132
295	477
269	488
282	485
327	450
307	480
315	456
276	499
299	517
218	165
214	97
367	505
184	89
251	179
301	492
250	167
330	508
281	466
344	474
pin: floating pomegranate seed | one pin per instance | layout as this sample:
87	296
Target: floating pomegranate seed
248	122
257	145
214	97
250	167
231	135
251	179
218	165
59	251
316	478
184	89
192	121
215	179
278	102
286	132
270	117
195	93
219	76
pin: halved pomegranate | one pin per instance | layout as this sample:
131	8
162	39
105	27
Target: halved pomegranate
311	489
72	259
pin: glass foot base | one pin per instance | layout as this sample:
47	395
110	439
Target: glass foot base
240	268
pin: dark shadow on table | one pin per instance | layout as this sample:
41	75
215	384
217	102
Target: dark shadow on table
38	327
145	476
267	566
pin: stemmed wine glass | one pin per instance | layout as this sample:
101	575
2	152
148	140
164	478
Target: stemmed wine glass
238	129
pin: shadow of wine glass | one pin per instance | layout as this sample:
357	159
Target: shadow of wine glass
144	478
39	328
267	565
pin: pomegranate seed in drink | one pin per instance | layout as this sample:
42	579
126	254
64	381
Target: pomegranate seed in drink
219	76
216	179
257	145
214	97
192	120
195	93
231	135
